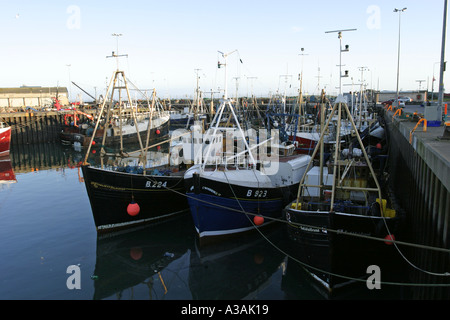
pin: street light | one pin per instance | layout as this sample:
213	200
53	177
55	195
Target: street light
432	83
398	61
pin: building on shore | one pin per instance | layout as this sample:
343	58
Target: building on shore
34	97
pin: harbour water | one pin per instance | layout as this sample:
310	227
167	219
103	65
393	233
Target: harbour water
47	231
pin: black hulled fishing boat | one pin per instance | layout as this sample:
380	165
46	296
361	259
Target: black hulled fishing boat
125	191
123	196
344	219
242	181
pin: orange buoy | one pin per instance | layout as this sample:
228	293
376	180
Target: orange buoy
258	258
133	208
389	238
258	220
136	253
93	143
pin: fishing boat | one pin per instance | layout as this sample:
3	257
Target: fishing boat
122	128
306	135
186	117
124	195
75	130
131	188
236	185
344	218
181	119
5	139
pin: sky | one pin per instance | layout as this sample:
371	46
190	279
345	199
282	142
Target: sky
169	43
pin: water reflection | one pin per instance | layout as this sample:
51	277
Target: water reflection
165	262
45	156
7	175
145	257
235	269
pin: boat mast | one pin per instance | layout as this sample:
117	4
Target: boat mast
339	100
113	85
226	102
339	104
300	98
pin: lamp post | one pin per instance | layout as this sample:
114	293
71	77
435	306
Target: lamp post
442	66
398	61
432	83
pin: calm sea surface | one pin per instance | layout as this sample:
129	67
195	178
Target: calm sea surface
47	227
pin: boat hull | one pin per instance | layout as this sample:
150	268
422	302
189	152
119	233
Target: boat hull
221	210
110	193
156	134
70	135
5	141
304	145
337	248
181	122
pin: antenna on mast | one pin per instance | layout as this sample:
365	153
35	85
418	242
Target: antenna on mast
340	54
116	54
225	56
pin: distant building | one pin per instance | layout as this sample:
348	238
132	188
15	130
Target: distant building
35	97
418	96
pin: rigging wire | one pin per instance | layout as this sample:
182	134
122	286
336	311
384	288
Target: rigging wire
329	230
395	244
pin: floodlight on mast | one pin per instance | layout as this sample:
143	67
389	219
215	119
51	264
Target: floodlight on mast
339	32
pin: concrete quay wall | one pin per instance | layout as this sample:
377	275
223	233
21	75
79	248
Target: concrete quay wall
420	172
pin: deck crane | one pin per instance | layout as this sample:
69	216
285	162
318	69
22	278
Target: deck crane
95	100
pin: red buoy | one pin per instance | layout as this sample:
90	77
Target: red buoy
136	253
258	258
133	209
389	238
157	131
378	146
258	220
93	142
